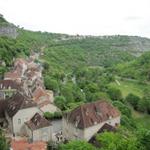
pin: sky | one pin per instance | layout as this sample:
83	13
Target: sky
84	17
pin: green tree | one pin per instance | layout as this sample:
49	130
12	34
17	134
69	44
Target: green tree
60	102
77	145
114	93
67	91
3	142
133	100
51	84
144	138
118	141
124	109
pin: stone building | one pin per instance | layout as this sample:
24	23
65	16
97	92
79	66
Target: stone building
39	129
19	110
8	88
85	121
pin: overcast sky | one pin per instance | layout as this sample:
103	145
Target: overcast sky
95	17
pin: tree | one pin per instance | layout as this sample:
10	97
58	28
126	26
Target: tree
144	138
117	141
3	143
60	102
77	145
144	104
67	91
133	100
124	109
127	122
114	93
51	84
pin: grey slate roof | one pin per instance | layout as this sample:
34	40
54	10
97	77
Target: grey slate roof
37	122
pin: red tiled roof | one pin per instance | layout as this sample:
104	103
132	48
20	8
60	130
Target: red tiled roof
24	145
20	61
90	114
12	75
38	93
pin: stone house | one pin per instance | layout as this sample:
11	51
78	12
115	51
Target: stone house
19	110
44	100
41	94
21	65
85	121
8	88
39	129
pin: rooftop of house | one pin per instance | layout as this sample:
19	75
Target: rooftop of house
37	122
30	74
9	84
38	93
24	145
12	74
20	61
18	102
90	114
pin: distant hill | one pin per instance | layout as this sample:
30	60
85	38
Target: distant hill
104	51
66	52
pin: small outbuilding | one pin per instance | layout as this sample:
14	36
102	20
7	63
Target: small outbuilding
39	128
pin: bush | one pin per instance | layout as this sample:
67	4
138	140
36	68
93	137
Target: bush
133	100
60	102
114	93
55	115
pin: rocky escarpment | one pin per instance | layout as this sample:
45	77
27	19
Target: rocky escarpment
10	31
7	29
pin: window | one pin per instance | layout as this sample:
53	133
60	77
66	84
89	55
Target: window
19	121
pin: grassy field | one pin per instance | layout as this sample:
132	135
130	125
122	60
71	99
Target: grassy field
127	87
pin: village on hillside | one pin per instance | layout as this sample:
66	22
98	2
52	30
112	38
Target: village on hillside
24	100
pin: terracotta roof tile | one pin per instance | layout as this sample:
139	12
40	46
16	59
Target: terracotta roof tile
12	75
24	145
39	92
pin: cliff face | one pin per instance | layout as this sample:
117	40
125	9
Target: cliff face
10	31
7	29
